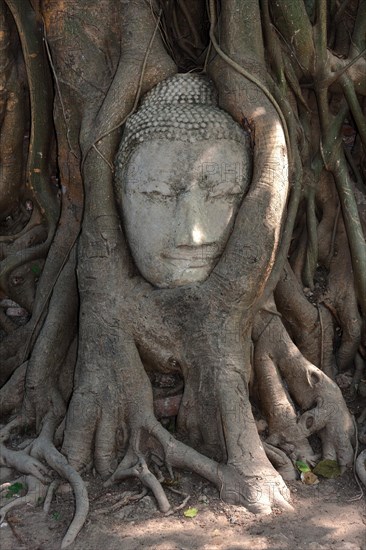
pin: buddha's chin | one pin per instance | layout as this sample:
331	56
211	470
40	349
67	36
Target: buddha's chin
191	275
182	277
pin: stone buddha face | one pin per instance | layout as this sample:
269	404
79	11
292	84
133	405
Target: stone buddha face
179	202
181	172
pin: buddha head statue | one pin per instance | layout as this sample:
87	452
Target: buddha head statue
182	169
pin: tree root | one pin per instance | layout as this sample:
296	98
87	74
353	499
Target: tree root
323	408
36	492
256	492
24	463
276	403
311	329
180	506
12	352
12	392
361	467
281	462
29	461
147	478
122	500
235	482
361	422
49	496
43	447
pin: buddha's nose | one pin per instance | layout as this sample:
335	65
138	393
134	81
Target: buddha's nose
191	229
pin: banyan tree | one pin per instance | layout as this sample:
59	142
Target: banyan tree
182	221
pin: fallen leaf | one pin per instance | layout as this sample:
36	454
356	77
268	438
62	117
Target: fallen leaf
327	468
190	512
309	478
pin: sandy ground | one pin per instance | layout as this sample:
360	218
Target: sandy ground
324	517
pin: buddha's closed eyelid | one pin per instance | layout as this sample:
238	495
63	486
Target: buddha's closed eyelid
152	187
154	193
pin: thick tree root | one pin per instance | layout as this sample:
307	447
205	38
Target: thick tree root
324	410
12	392
255	492
361	422
22	462
284	431
361	467
311	328
281	462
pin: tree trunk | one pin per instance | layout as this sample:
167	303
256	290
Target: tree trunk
94	358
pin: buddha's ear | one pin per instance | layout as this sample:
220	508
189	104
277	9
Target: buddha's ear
143	63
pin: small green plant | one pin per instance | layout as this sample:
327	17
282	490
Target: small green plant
302	466
14	489
36	269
